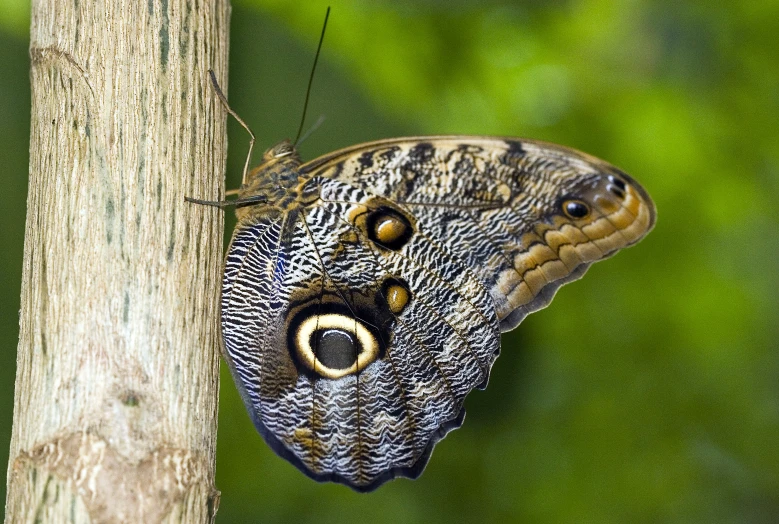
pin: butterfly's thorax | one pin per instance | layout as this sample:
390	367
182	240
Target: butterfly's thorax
279	180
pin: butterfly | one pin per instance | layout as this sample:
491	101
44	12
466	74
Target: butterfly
365	291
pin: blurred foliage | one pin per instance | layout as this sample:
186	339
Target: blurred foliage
648	391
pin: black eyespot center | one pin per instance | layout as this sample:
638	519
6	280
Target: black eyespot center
335	348
575	209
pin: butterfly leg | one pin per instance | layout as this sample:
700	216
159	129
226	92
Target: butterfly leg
223	99
239	202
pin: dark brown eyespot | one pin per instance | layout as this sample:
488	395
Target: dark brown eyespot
388	228
575	209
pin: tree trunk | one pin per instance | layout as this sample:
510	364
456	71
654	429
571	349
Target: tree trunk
117	369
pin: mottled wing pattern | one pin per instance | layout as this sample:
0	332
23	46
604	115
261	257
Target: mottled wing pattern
356	321
382	420
507	208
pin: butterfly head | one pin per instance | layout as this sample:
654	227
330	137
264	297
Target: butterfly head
282	151
278	179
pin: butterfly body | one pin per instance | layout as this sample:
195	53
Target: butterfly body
365	291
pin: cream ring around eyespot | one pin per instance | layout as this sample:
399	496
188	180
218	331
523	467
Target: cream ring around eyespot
367	344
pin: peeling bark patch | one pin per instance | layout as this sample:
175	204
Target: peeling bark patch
122	203
44	282
213	503
40	511
113	489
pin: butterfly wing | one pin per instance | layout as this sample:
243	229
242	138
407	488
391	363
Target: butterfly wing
351	363
355	325
526	216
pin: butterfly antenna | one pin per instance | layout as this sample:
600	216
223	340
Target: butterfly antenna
223	99
311	78
312	129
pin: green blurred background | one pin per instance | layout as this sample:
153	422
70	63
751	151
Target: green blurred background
648	391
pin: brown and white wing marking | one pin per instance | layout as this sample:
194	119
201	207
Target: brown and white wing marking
364	293
354	339
525	216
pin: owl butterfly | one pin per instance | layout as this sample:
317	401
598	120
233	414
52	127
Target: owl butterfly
364	292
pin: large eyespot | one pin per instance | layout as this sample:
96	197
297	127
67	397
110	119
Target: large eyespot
575	209
334	345
397	295
388	228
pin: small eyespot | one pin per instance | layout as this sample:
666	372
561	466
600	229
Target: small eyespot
388	228
397	295
617	182
617	191
575	209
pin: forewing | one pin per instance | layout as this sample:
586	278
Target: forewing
499	206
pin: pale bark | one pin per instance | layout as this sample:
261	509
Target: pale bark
117	368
